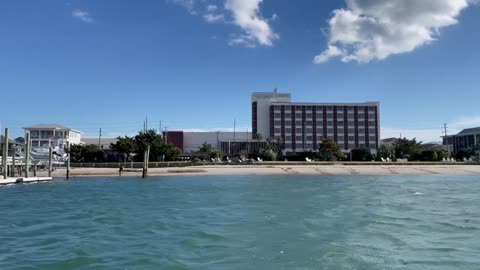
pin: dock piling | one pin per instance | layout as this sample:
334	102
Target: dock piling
50	159
5	154
27	154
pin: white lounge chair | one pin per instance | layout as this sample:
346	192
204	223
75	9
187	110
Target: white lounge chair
383	160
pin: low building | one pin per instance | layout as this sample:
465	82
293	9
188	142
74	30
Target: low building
46	135
102	143
228	143
466	139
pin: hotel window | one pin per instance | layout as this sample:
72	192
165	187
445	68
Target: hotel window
288	115
309	146
288	138
330	123
309	123
298	138
372	130
361	138
309	116
340	130
319	130
278	123
288	145
299	122
350	109
298	108
310	138
308	130
351	130
340	123
288	123
361	116
330	131
361	145
361	108
340	138
329	115
309	108
298	115
330	137
351	123
372	139
320	123
329	108
361	131
361	123
371	109
371	123
278	130
288	130
351	138
298	130
339	108
299	145
319	108
340	115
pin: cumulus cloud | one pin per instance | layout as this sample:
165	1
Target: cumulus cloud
82	15
369	30
246	14
256	29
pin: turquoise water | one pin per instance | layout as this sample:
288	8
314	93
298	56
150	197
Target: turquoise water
243	222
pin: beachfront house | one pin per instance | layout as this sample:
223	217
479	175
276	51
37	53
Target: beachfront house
46	135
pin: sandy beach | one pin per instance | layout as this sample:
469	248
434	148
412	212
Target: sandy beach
278	170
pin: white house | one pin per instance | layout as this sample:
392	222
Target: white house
45	135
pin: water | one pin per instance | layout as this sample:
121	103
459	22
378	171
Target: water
243	222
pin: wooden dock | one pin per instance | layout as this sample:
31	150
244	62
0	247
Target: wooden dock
23	180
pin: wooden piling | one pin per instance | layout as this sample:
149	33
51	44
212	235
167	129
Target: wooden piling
5	154
146	159
27	154
12	171
50	159
68	160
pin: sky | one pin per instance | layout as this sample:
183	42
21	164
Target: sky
193	64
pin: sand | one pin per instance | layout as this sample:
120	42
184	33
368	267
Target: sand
279	170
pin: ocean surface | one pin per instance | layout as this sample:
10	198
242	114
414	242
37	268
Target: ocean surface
243	222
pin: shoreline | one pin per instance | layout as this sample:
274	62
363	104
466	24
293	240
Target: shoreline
275	170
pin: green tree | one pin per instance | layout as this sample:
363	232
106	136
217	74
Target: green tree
386	151
362	154
329	150
20	140
124	145
86	153
209	151
405	148
158	147
258	137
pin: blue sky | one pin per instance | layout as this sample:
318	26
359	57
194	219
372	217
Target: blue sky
193	64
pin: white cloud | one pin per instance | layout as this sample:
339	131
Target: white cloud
246	14
212	8
213	18
82	15
376	29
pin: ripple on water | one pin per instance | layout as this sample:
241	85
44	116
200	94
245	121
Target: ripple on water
243	222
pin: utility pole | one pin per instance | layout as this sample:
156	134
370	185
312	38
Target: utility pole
100	139
446	137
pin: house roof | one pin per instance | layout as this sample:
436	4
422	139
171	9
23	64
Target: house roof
468	131
49	126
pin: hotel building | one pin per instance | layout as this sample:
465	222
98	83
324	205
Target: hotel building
301	126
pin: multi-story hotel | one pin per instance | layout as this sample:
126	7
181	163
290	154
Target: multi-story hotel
301	126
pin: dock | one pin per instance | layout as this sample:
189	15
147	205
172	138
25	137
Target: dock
23	180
